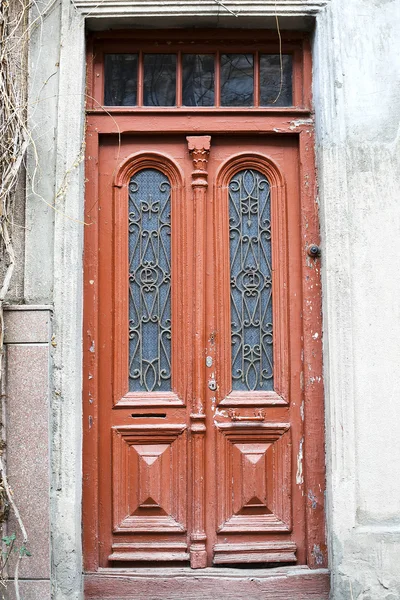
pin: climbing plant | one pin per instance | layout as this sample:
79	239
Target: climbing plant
14	141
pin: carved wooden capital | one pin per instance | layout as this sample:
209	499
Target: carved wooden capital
199	148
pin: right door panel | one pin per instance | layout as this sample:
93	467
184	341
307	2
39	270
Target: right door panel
254	349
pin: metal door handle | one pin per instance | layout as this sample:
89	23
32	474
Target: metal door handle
259	415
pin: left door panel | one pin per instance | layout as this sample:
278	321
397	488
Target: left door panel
143	352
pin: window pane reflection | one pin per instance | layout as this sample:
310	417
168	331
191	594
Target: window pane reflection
120	79
271	92
237	79
159	85
198	80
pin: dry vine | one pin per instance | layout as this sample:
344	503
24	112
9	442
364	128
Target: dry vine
14	141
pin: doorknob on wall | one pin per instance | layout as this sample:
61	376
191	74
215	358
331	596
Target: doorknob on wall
314	251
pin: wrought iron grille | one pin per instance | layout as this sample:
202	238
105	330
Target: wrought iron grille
251	281
149	281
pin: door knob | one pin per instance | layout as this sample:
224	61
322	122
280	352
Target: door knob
314	251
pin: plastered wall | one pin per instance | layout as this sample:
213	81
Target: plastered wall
357	105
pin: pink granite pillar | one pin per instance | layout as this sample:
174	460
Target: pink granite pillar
26	410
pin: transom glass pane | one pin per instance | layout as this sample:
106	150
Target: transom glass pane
237	79
149	281
198	76
120	79
198	80
251	281
275	83
159	85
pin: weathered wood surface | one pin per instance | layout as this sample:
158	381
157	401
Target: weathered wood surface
208	584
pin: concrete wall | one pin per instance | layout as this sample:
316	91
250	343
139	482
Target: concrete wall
357	104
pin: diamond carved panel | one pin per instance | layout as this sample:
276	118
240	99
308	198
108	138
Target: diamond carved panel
254	478
149	493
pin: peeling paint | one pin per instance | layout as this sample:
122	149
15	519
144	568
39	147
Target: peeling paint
221	413
92	349
319	557
302	410
299	123
90	421
312	499
213	402
299	474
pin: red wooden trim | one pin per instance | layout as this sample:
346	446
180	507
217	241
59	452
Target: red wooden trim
168	111
97	90
217	79
187	122
256	99
297	79
314	453
90	362
258	399
138	399
290	583
307	74
225	36
126	170
199	149
179	79
89	102
279	278
140	79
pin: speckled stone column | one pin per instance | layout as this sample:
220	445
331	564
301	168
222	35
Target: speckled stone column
26	410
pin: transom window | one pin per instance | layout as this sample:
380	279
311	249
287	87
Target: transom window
210	71
217	79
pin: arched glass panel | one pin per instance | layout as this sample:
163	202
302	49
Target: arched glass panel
149	281
251	281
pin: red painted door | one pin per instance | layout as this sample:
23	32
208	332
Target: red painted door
200	425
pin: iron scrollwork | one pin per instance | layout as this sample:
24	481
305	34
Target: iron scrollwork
251	281
149	281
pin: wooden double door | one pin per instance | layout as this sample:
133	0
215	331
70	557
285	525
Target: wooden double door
197	259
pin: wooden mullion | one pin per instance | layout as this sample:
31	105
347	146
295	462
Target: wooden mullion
179	79
140	79
217	79
256	99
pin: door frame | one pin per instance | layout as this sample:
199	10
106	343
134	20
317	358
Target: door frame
295	121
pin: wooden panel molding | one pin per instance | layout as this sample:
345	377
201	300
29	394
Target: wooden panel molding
149	551
268	552
149	492
254	477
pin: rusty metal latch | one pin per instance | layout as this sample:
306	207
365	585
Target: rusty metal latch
259	415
